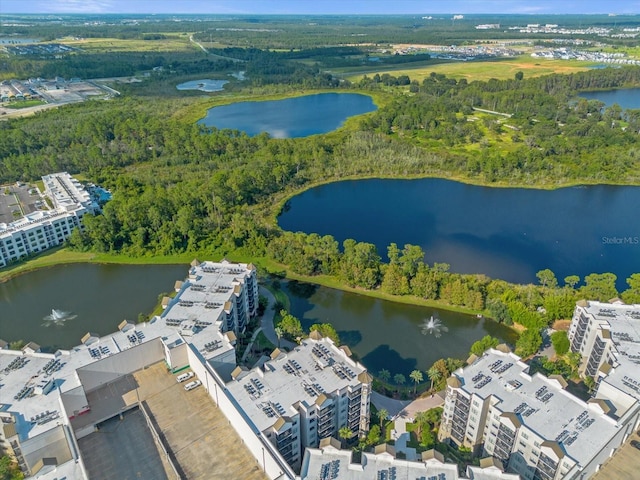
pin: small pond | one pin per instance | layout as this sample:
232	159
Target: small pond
205	85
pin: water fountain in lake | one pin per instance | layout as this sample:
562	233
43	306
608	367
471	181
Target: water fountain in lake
433	326
58	317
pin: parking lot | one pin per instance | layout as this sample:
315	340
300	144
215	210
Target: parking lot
16	201
198	434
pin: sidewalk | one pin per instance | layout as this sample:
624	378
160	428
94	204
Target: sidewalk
266	322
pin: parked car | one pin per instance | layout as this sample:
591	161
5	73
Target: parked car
192	385
184	377
636	444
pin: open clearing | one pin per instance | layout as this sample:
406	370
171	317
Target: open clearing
484	70
171	43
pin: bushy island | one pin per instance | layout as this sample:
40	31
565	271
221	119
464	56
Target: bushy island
181	188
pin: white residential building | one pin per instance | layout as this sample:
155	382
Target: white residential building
329	462
529	422
607	335
44	229
298	398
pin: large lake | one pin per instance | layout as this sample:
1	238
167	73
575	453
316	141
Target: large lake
291	117
625	97
389	335
508	233
96	297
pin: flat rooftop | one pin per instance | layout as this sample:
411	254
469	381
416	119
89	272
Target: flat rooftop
624	326
540	403
331	463
65	191
312	369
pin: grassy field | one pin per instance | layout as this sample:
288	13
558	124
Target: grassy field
172	43
25	104
484	70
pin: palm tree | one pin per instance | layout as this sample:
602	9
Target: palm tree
416	376
384	375
400	379
421	419
345	434
435	375
382	415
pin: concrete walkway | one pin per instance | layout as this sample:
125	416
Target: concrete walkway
266	322
404	408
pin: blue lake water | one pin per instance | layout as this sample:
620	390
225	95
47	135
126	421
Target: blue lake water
625	97
291	117
388	335
205	85
507	233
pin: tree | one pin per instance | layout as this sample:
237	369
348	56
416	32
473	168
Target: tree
599	286
400	379
435	375
326	330
571	281
519	75
484	344
547	278
384	375
373	437
499	311
632	294
560	342
416	376
382	415
529	342
9	469
290	325
345	434
574	359
590	383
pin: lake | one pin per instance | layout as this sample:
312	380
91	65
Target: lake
386	334
290	117
507	233
205	85
95	298
625	97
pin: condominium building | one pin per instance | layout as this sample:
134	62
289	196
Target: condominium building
330	462
44	229
529	422
607	336
49	401
298	398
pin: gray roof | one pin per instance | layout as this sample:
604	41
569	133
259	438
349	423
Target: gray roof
540	403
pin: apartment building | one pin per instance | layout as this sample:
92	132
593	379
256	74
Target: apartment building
44	229
607	335
296	399
329	462
530	423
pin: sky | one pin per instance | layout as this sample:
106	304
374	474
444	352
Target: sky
321	6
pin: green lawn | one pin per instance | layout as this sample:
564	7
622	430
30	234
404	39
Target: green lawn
484	70
24	104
